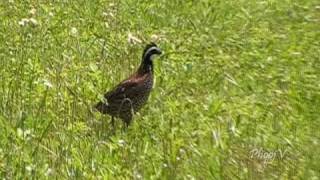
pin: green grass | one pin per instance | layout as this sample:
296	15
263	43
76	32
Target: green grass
236	76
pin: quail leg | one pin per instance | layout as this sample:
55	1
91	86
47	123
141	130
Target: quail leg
112	121
127	121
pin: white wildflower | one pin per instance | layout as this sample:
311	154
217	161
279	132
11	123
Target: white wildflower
23	22
137	175
30	168
20	132
48	172
132	39
47	83
105	14
33	21
121	142
106	25
74	31
182	151
190	177
155	38
33	11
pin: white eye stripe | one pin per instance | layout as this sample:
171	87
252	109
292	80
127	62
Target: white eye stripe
151	49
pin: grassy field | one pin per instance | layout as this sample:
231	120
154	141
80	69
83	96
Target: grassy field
237	93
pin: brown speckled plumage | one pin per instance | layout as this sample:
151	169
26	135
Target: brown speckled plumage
131	94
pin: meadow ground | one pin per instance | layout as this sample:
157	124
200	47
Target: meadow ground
237	91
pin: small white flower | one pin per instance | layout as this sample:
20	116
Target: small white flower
47	83
121	142
154	37
27	132
132	39
33	21
104	14
33	11
74	31
29	168
48	172
23	22
233	129
139	176
190	177
106	25
182	151
51	14
20	132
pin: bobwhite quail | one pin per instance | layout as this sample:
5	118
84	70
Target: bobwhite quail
131	94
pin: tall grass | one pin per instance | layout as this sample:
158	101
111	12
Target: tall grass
237	92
